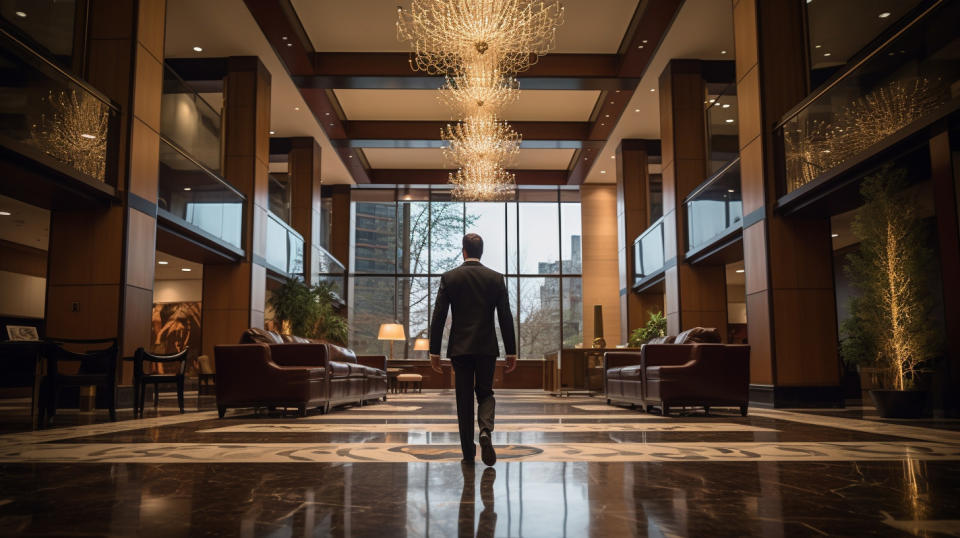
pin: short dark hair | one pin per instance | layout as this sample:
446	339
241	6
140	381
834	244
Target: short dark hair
473	245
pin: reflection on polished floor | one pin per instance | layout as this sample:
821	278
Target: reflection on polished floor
566	468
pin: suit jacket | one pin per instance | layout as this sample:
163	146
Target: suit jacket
473	292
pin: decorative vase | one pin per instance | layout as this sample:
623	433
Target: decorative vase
899	403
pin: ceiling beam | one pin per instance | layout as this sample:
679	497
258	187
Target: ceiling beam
430	130
403	176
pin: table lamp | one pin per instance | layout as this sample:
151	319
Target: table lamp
391	332
422	344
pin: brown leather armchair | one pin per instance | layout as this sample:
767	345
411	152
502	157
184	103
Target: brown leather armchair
666	375
706	375
247	376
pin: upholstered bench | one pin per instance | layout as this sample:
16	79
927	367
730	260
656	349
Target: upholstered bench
404	381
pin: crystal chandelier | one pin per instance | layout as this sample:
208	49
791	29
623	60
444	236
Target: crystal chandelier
446	35
479	45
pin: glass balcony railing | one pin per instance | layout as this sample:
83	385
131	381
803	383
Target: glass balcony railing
648	253
52	117
194	195
189	121
715	207
331	270
278	196
284	247
912	77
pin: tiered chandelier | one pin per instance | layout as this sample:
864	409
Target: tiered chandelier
479	46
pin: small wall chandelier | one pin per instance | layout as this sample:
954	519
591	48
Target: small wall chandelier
479	46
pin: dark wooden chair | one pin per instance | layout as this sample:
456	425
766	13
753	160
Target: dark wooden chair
141	379
97	368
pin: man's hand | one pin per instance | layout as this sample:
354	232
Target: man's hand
435	364
511	364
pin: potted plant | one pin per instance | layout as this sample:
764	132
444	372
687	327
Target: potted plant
309	311
889	326
656	327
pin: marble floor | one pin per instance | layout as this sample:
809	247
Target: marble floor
567	467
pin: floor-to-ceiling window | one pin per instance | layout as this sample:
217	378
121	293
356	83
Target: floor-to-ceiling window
403	240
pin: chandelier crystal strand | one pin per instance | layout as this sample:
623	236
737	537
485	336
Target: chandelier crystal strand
481	138
446	35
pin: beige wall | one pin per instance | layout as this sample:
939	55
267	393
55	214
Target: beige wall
601	277
177	291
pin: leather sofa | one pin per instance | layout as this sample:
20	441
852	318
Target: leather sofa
300	374
689	373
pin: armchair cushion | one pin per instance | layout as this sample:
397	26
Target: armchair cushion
698	335
339	369
256	335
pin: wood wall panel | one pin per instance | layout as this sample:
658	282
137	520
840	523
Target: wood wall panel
17	258
148	88
601	278
141	249
758	330
143	179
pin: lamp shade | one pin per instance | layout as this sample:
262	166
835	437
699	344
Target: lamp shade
391	331
421	344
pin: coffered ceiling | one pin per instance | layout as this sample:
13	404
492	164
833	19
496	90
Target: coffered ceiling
340	64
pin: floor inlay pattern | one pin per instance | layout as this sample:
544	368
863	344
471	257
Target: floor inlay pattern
506	427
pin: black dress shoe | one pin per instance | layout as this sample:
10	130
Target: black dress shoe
487	454
466	461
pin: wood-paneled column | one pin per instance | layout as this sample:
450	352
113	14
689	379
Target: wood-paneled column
304	175
946	186
101	261
694	295
234	294
633	218
598	207
791	313
340	224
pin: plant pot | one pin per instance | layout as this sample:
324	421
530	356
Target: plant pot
899	403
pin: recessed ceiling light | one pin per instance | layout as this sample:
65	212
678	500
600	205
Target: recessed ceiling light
273	132
4	213
826	54
284	38
21	14
636	110
834	235
606	115
817	46
186	269
162	262
331	125
726	106
289	44
197	49
613	156
187	189
713	100
729	120
644	40
602	124
350	156
731	190
611	102
603	171
327	113
88	136
723	52
639	46
884	15
739	270
296	108
653	89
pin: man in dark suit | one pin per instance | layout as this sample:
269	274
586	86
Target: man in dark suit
473	292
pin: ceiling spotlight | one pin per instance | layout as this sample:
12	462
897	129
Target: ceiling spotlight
636	110
284	38
726	105
884	15
739	270
826	54
729	120
197	49
273	132
731	190
817	46
639	46
834	235
644	40
613	156
4	213
723	52
606	115
603	171
289	44
186	269
653	89
296	108
350	156
713	100
187	189
602	124
331	125
21	14
162	262
327	113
